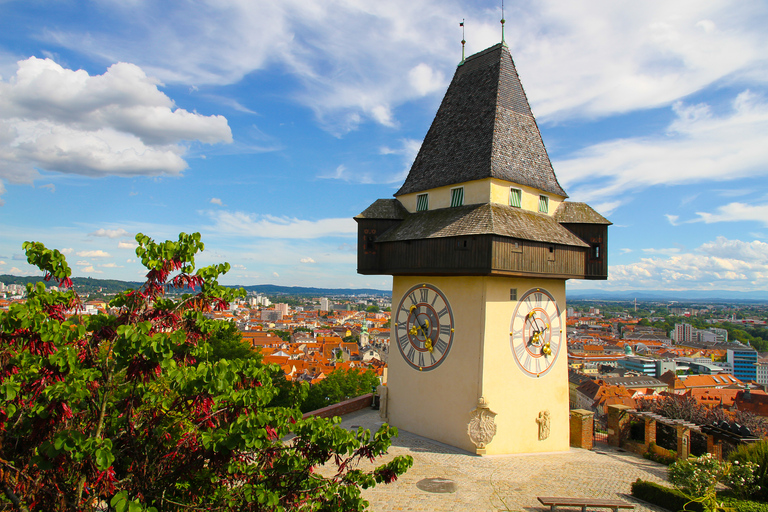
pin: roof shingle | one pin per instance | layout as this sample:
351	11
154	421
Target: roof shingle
484	128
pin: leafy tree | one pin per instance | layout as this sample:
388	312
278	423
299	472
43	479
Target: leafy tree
338	386
133	411
283	335
372	308
227	343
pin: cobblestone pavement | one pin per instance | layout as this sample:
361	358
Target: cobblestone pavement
504	482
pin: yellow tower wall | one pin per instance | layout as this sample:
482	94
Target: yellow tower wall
517	398
437	404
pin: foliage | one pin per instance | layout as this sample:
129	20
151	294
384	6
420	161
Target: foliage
283	335
678	407
372	309
698	478
672	499
665	497
338	386
227	343
756	453
135	410
661	459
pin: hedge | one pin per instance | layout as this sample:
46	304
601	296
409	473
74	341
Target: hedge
673	500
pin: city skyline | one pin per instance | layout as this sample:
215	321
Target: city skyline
269	127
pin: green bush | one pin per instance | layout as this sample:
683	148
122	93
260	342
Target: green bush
661	459
673	500
665	497
757	453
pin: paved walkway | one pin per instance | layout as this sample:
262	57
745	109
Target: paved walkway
503	482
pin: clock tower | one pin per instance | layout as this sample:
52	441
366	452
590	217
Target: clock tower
480	240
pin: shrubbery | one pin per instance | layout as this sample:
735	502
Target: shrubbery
756	453
131	410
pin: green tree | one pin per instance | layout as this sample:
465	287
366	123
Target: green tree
372	308
227	343
135	411
338	386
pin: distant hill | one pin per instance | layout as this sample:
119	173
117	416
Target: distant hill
271	289
90	285
82	284
668	295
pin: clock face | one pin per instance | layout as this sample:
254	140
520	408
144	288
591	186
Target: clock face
536	332
423	327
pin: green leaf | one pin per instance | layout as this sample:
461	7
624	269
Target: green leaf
104	459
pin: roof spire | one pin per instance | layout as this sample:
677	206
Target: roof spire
502	22
462	41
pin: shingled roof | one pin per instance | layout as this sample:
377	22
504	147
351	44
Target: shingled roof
482	219
384	209
484	128
578	213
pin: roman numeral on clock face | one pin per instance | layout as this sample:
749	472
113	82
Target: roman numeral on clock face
423	327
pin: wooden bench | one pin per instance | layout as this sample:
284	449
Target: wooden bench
553	502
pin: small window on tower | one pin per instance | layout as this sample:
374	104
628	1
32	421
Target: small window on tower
457	197
515	197
422	202
543	204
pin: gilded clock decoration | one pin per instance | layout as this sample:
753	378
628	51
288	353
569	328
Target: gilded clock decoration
423	327
536	332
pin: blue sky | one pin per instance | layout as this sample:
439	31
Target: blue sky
267	126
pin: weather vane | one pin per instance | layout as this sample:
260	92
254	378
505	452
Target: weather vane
502	21
462	40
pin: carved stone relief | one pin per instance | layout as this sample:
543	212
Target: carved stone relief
481	427
543	421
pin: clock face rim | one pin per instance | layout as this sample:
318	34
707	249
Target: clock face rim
434	326
554	333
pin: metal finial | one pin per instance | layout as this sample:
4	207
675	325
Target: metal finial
502	21
462	41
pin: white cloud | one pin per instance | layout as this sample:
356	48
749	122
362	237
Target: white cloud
408	150
275	274
110	265
269	226
118	123
2	262
110	233
67	250
127	245
719	264
668	250
425	80
735	212
583	58
90	270
93	254
49	186
82	263
216	200
698	146
307	260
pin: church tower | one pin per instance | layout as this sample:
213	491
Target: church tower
480	241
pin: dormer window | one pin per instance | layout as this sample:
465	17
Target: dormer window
422	202
543	204
515	197
457	197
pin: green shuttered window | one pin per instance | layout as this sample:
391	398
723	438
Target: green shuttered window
515	197
543	204
457	197
422	202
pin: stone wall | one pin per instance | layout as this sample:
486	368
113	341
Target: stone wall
342	408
